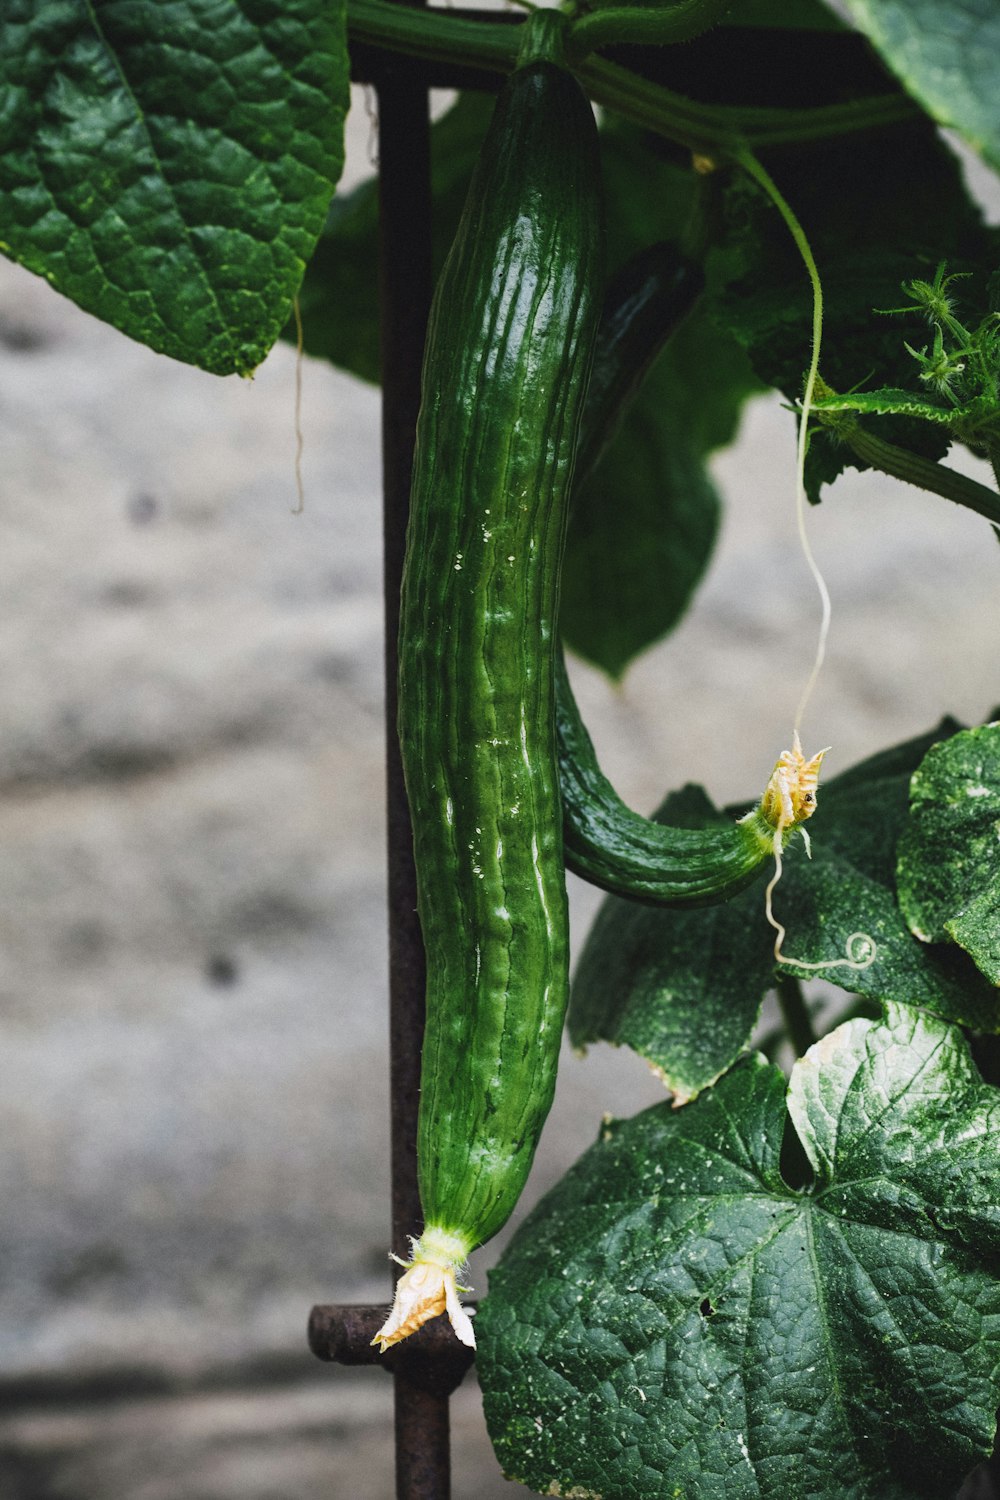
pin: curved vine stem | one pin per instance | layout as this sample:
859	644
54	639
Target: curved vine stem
643	25
795	1014
913	468
434	35
719	130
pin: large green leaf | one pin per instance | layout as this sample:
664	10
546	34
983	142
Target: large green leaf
673	1320
168	165
945	53
949	854
849	887
339	297
684	988
681	988
878	210
644	525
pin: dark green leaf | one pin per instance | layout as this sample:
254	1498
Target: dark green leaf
846	894
168	166
681	988
339	297
944	52
644	525
684	988
949	854
878	210
672	1320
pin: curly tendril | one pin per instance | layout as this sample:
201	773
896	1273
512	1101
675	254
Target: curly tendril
787	777
861	949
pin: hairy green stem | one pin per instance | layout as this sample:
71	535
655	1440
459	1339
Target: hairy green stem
644	25
726	129
722	130
751	165
795	1014
923	472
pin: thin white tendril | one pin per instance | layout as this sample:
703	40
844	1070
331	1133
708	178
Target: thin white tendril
861	948
300	503
800	512
371	110
750	163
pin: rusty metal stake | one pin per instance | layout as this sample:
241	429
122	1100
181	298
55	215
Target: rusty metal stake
405	294
432	1357
426	1368
431	1364
423	1458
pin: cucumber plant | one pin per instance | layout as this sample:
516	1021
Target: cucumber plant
769	1285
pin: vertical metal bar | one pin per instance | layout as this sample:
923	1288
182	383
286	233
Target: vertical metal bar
423	1441
405	290
422	1435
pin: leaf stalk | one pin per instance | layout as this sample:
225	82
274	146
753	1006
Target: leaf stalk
721	131
913	468
795	1014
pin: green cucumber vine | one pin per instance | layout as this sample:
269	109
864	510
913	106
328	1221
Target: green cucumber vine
782	1280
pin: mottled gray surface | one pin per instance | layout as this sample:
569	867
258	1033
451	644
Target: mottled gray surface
192	1013
318	1441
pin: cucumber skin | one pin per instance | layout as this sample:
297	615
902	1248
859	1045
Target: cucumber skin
606	843
645	303
612	847
509	349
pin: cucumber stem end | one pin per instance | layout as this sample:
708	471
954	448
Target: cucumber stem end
428	1286
790	795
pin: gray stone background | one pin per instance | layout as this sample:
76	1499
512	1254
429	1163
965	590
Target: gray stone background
192	1010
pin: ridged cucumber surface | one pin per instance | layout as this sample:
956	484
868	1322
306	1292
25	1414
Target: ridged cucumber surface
609	845
509	351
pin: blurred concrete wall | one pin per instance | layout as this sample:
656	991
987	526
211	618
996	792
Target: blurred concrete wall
192	1013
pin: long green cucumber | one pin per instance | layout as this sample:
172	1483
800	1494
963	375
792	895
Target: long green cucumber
605	841
509	350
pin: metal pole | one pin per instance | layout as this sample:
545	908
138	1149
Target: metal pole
429	1365
405	283
422	1432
